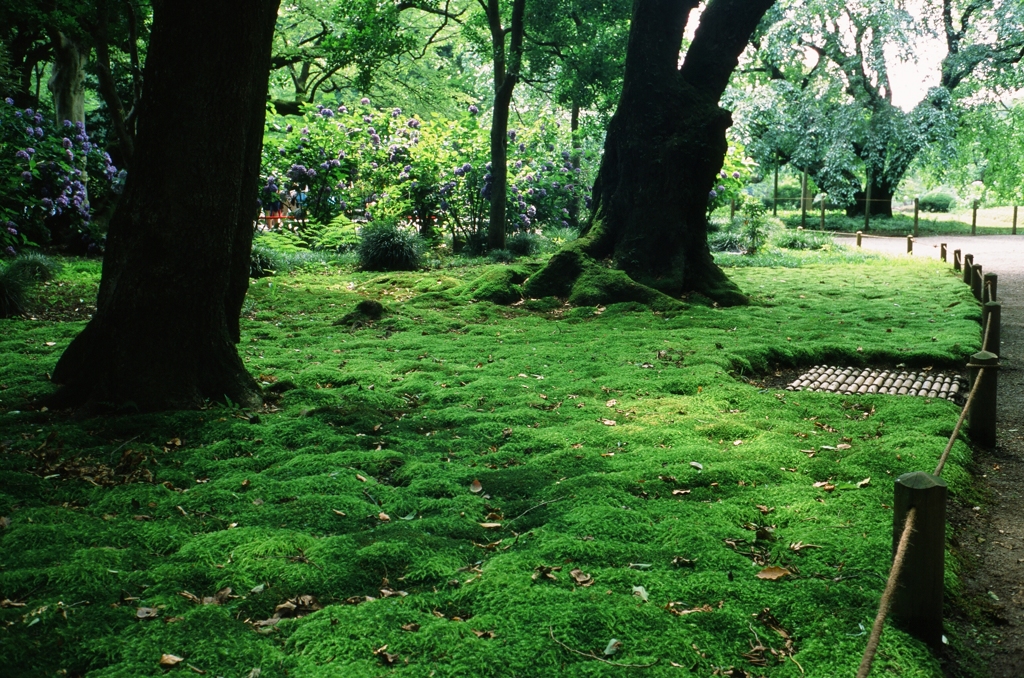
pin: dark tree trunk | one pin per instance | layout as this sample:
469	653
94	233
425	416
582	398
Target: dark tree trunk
664	147
176	268
67	79
506	75
881	202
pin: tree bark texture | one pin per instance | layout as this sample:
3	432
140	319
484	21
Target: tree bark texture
67	79
176	268
664	148
506	75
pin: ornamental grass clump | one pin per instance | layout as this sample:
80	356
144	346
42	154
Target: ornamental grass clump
384	246
523	244
13	289
34	266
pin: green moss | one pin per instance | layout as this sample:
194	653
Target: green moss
359	480
498	284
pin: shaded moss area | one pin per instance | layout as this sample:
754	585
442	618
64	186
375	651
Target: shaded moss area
445	459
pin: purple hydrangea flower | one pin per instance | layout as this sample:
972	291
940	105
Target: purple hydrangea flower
26	176
375	139
407	168
413	123
721	189
364	101
565	155
467	167
40	133
396	112
473	110
11	251
512	134
9	101
736	175
723	174
712	195
459	171
22	155
29	112
68	124
289	128
531	211
327	113
305	131
12	230
342	109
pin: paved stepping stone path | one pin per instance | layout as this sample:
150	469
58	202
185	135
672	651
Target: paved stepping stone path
853	380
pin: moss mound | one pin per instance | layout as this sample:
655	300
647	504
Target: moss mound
498	285
367	310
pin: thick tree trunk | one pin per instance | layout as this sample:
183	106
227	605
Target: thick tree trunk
506	75
67	79
176	267
664	147
881	202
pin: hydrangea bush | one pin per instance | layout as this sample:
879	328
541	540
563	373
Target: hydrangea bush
50	176
364	164
736	172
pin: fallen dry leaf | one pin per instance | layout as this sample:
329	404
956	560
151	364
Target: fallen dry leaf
676	492
543	571
825	485
385	657
170	660
611	403
773	572
843	446
360	478
383	517
680	609
697	465
484	634
338	513
581	578
7	602
864	483
608	422
5	522
475	486
737	442
490	526
146	613
413	627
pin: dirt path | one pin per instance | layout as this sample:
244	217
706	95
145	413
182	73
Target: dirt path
992	538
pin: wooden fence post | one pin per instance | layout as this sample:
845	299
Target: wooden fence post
917	602
860	234
1014	232
977	283
916	209
991	315
803	200
981	420
942	251
991	282
910	244
823	198
974	219
956	260
968	268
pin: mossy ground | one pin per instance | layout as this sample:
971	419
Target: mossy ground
615	440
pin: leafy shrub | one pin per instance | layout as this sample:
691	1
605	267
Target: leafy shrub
501	256
523	244
340	235
13	290
34	266
801	240
383	246
937	201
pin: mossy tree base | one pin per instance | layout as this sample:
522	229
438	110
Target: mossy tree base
664	149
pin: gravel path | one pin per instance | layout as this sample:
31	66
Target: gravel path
992	538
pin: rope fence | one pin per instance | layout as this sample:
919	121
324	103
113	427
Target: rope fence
919	506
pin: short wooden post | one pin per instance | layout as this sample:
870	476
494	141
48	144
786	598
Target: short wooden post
956	260
990	319
860	234
1014	231
977	283
823	198
968	267
732	208
981	419
917	207
991	282
942	251
917	601
910	244
974	219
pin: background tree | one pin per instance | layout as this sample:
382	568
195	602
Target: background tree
171	293
665	146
